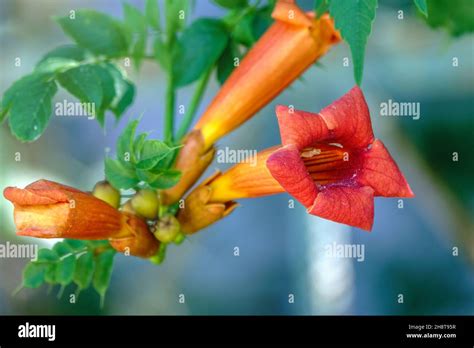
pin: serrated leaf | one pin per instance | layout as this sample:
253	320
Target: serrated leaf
83	83
124	91
152	13
97	32
118	175
125	144
65	270
161	180
76	244
103	272
136	31
421	5
47	255
72	52
84	270
50	273
197	50
152	152
354	20
226	62
456	17
174	11
107	83
138	144
33	275
243	32
28	103
55	65
232	4
62	249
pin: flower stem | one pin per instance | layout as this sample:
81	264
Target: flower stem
194	104
169	110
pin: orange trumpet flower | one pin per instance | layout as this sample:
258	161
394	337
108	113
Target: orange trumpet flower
46	209
292	44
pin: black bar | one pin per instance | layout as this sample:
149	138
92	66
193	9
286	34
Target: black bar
140	330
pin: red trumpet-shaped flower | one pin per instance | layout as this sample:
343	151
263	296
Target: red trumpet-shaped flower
332	164
329	161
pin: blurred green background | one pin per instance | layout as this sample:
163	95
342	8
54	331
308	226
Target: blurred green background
409	252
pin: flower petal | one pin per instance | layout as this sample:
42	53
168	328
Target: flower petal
300	128
379	171
348	205
348	119
287	167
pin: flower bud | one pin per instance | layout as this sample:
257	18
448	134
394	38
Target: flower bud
166	229
146	203
106	192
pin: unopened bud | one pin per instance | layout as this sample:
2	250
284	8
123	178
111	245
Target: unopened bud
166	229
146	203
106	192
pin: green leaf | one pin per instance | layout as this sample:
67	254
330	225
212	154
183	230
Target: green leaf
262	21
243	32
125	100
97	32
232	4
136	30
125	144
28	102
321	7
50	273
354	20
138	144
84	270
83	83
162	180
103	272
152	13
153	151
456	17
107	83
174	11
33	275
421	5
47	255
62	249
118	175
198	49
124	90
75	244
70	51
65	270
55	65
226	62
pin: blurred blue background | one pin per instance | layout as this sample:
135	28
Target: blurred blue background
282	251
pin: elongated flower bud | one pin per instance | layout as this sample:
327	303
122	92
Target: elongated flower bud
292	44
